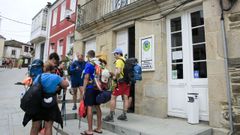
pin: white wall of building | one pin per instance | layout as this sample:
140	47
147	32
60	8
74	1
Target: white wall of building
37	51
8	52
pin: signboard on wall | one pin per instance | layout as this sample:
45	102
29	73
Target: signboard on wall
147	53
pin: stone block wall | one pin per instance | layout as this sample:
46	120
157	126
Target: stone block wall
232	19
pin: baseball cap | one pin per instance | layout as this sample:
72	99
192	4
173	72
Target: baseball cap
118	50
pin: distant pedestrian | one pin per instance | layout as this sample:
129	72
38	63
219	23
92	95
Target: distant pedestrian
20	62
76	69
90	94
7	63
4	63
10	63
121	89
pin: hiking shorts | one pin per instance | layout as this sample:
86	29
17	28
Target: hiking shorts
90	97
122	89
76	84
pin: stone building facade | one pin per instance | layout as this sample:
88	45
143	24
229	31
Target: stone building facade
186	51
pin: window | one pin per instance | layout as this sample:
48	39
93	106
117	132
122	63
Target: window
13	52
73	5
60	47
120	3
63	10
198	43
25	49
70	45
51	48
176	48
54	22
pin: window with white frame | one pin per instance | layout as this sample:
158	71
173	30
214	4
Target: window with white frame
54	22
52	45
60	47
70	44
73	5
63	10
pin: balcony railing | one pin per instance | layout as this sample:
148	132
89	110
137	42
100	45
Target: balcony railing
96	9
39	25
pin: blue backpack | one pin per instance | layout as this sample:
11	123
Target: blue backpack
132	72
35	68
137	71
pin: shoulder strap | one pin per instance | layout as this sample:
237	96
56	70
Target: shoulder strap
123	67
122	60
39	79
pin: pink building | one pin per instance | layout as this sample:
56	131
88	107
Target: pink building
61	31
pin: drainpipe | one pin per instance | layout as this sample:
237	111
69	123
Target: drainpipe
225	49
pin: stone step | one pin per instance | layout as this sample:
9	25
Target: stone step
145	125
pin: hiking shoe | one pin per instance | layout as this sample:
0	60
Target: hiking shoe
74	107
108	118
122	117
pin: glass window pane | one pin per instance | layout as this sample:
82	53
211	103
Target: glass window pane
199	52
177	55
200	70
197	18
176	24
177	71
176	39
198	35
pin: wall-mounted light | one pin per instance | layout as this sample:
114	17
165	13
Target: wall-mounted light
68	13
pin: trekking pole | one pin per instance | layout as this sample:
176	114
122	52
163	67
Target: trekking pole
63	109
64	106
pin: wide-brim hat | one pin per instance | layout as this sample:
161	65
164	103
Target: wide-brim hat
102	56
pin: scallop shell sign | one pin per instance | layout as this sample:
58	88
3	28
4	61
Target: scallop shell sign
146	46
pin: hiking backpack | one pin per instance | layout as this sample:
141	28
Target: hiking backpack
35	68
131	71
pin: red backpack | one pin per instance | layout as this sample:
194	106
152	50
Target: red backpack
82	110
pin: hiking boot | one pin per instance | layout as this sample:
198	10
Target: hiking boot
74	107
122	117
108	118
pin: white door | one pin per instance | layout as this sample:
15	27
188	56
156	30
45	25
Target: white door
187	64
122	42
90	45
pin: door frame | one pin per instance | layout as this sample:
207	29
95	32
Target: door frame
188	81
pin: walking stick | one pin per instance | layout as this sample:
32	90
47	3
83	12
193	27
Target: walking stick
63	110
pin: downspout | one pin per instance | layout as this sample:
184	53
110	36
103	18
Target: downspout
225	49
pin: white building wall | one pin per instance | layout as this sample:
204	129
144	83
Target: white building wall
8	52
37	51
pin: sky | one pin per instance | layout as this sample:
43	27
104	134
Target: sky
20	10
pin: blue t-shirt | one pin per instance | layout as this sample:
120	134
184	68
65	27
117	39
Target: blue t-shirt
89	69
76	73
49	82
